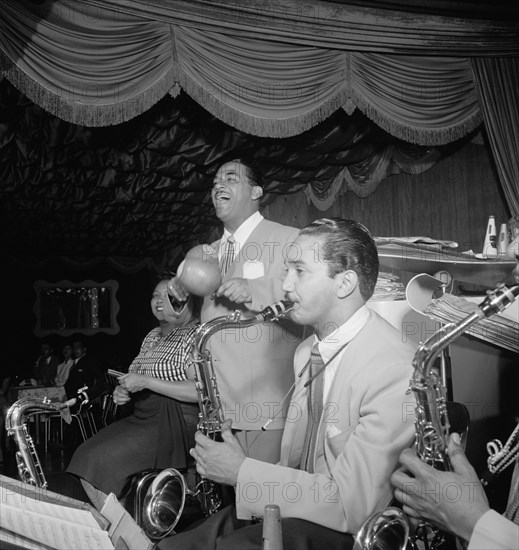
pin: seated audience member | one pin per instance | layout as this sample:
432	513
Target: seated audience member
346	424
160	431
64	367
84	372
468	515
46	366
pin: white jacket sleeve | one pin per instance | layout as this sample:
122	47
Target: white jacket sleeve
494	532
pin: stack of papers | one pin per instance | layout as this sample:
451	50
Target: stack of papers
496	330
36	524
388	287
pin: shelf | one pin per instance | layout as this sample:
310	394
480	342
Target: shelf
417	258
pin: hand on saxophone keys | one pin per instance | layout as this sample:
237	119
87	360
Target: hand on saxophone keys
219	461
454	501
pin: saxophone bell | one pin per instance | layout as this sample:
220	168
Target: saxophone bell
388	529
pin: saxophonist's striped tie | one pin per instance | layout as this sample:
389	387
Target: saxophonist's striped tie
315	409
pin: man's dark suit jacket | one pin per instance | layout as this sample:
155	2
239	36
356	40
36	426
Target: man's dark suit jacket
86	372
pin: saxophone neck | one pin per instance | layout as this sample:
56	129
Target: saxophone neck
28	405
235	321
496	300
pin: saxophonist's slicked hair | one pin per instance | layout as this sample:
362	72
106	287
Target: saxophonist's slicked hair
347	245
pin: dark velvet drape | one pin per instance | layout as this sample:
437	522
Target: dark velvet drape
271	69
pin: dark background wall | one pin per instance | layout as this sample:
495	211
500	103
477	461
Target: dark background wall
20	344
450	201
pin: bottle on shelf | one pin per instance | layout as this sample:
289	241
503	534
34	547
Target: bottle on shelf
490	246
502	242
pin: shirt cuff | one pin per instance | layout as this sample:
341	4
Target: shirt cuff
249	490
494	532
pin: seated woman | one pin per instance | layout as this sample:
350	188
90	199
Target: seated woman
160	431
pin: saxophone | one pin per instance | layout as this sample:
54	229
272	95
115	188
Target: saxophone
163	500
432	425
28	463
211	412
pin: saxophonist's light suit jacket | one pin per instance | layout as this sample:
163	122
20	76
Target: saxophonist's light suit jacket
254	365
366	423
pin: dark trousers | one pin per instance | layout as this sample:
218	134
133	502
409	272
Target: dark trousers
223	531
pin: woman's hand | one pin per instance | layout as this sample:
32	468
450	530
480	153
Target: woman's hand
132	382
120	396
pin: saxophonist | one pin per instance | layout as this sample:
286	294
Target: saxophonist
349	416
466	512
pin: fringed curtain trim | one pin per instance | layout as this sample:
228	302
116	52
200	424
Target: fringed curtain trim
323	197
257	125
88	114
82	64
264	89
363	178
420	136
104	70
422	100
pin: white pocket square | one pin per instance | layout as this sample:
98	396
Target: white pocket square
332	431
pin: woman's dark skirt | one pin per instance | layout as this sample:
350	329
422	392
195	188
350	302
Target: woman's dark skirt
158	434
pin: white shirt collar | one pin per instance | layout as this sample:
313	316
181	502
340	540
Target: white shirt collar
242	233
343	334
333	342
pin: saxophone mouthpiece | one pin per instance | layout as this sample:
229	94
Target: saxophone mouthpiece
499	299
273	312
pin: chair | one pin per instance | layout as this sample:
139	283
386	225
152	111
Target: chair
109	408
47	427
86	421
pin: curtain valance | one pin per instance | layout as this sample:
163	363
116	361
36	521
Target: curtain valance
435	27
86	66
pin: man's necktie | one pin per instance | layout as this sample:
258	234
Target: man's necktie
227	256
315	409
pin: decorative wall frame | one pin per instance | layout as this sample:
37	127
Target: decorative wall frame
67	308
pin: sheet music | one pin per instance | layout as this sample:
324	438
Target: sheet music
59	527
22	542
32	504
497	329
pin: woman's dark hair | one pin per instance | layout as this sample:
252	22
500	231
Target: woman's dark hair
347	244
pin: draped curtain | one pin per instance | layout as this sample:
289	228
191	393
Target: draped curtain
498	90
270	69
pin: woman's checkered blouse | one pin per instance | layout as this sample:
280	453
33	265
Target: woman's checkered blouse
165	357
